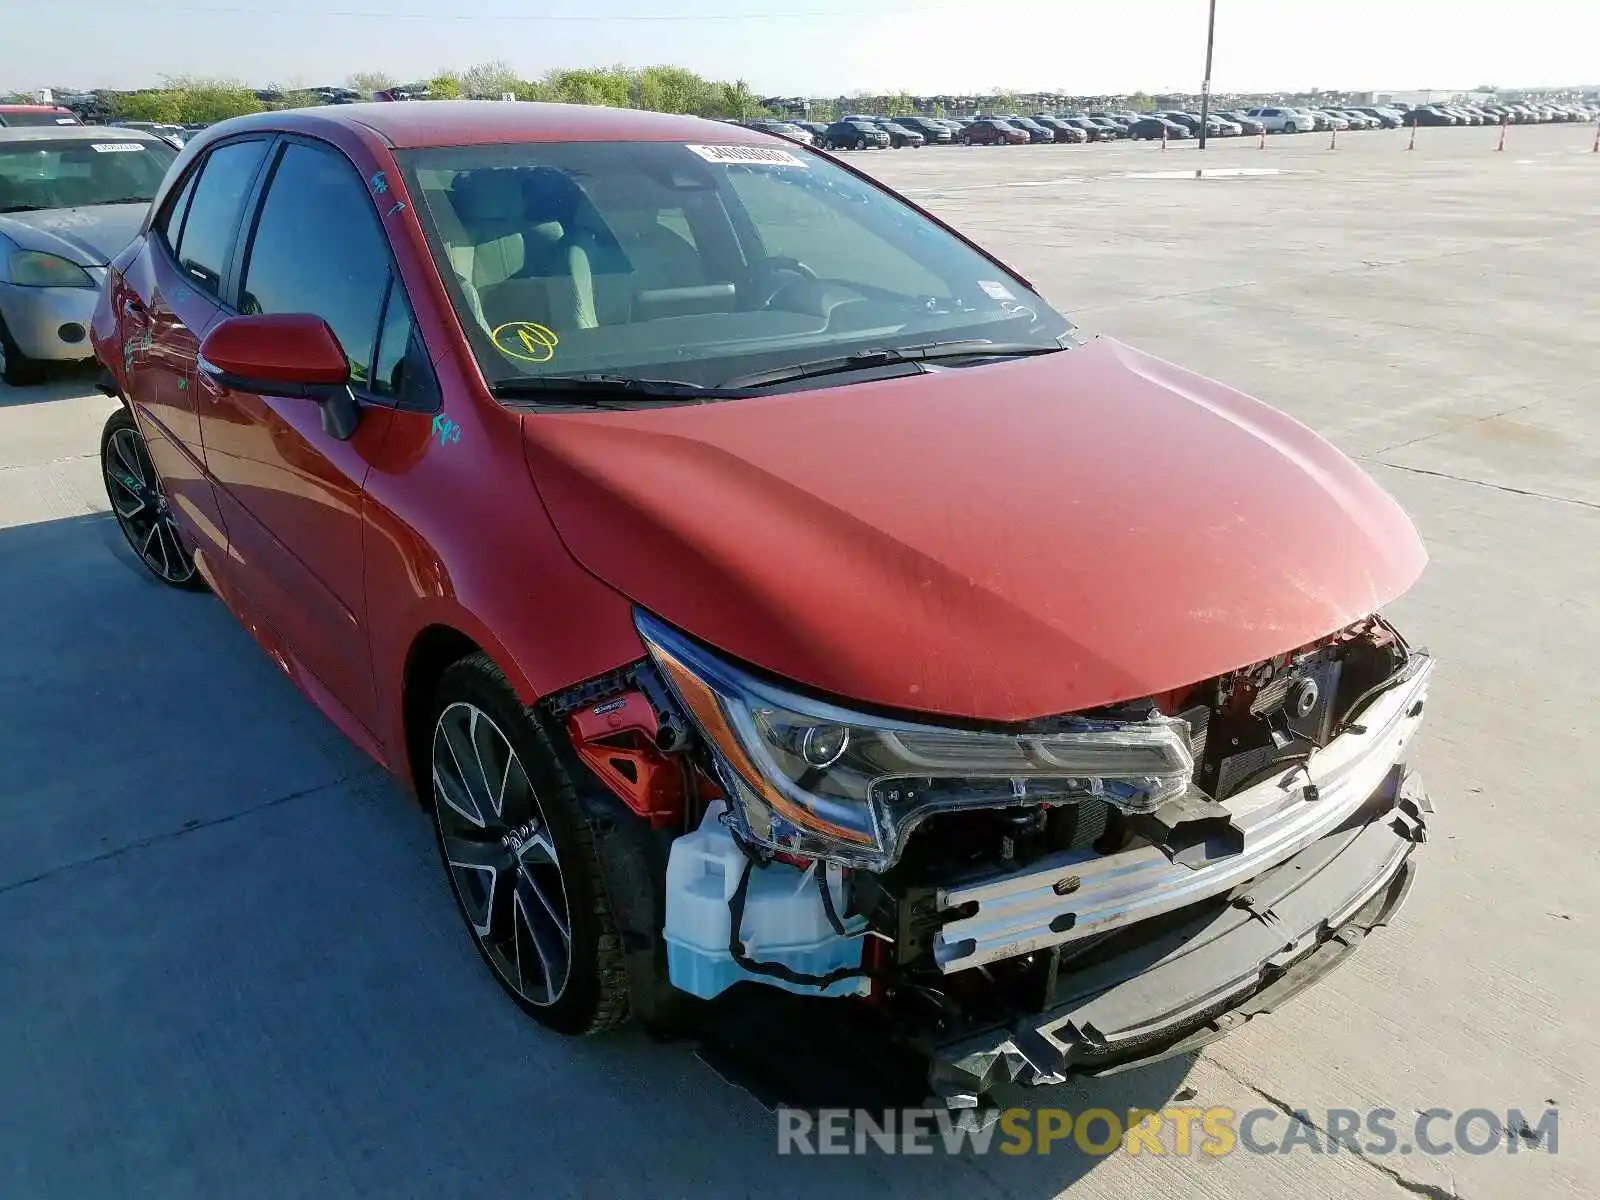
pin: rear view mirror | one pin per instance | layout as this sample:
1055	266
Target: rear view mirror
283	354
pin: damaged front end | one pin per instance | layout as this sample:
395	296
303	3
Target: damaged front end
1077	894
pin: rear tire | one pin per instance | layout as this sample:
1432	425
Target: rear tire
519	852
139	503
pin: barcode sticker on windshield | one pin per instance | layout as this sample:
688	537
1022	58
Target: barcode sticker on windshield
117	147
995	290
766	156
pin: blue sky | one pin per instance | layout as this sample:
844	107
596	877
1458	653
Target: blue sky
817	46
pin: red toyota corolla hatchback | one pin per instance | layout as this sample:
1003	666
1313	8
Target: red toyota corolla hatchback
762	585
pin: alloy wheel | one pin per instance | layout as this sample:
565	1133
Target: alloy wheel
501	855
140	505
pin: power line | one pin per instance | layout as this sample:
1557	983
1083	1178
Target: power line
148	8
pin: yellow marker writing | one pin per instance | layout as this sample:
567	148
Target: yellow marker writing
526	341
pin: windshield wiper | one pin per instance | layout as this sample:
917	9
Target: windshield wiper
118	200
608	391
11	208
889	356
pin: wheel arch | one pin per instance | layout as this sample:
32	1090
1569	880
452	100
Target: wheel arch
432	651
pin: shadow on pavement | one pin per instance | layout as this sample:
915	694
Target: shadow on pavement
233	966
62	381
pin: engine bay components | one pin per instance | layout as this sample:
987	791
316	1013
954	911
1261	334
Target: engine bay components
962	880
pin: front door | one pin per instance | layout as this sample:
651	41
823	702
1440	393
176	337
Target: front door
291	493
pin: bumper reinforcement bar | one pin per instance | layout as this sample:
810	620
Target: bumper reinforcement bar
1196	981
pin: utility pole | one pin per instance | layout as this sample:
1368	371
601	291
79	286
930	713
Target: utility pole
1205	87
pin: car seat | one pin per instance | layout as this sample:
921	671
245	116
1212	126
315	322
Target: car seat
547	277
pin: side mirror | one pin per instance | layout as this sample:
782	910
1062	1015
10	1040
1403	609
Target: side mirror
283	354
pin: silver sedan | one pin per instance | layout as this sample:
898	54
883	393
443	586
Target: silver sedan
70	199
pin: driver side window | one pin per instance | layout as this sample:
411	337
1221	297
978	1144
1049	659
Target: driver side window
795	222
317	248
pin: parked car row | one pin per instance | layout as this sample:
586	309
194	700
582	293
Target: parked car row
859	131
862	132
1498	114
1284	119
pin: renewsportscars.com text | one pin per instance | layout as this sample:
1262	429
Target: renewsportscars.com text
1374	1132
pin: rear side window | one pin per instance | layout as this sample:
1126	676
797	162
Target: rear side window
214	211
318	249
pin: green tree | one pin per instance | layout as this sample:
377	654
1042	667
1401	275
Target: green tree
594	86
205	105
672	89
202	101
737	100
367	82
158	105
446	85
531	89
489	80
900	104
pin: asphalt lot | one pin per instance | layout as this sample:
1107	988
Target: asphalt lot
231	964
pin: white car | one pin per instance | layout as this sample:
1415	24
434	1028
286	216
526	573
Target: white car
1282	120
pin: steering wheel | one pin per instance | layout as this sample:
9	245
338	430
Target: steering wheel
768	268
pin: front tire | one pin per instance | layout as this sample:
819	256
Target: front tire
520	855
139	503
16	368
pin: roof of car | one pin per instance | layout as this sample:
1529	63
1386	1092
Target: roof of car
422	123
33	108
74	133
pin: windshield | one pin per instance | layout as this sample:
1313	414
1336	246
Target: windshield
77	172
696	263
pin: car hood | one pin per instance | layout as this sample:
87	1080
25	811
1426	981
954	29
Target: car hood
91	236
994	542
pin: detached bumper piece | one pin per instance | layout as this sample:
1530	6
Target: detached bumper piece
1206	970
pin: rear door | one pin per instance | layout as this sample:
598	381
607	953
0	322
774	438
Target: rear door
169	302
290	491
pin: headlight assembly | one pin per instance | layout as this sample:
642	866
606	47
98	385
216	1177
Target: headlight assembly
35	268
817	779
